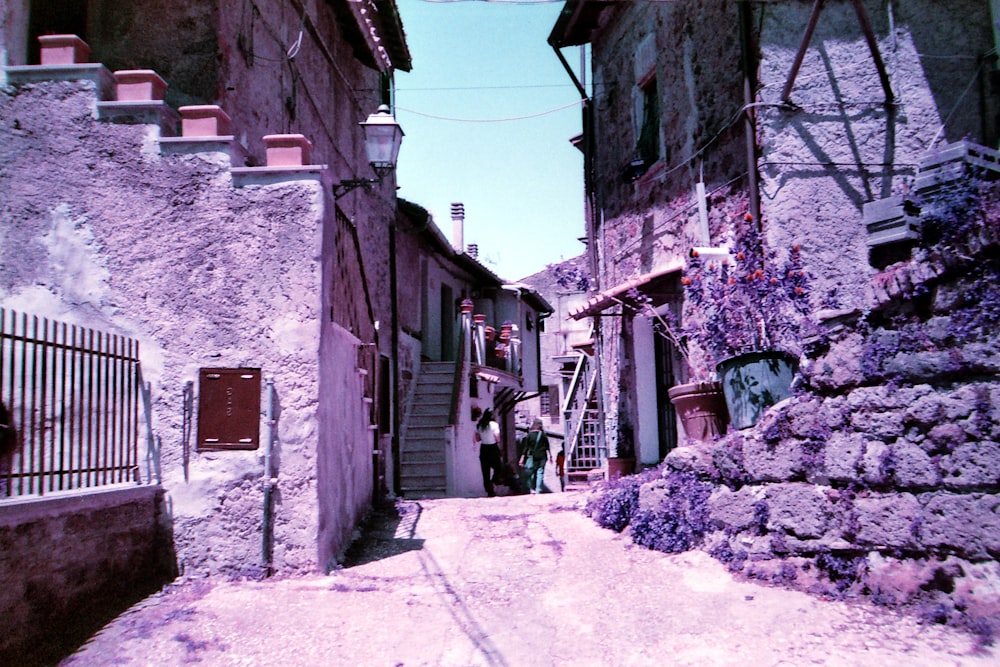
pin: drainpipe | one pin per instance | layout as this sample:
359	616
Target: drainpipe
749	62
269	480
394	304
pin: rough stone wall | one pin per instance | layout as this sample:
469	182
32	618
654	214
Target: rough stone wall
882	476
117	236
818	162
96	553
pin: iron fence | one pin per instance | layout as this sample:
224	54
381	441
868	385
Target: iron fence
71	398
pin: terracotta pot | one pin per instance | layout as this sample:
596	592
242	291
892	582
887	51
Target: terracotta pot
620	466
62	50
702	409
755	381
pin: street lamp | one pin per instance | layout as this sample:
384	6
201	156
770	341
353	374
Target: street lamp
383	135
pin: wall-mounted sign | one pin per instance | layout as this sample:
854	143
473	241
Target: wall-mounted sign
228	408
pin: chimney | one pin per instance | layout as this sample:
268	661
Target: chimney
473	251
458	226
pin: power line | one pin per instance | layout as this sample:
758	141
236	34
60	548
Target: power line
487	120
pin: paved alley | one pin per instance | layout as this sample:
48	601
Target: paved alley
512	581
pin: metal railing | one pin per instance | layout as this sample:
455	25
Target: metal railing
583	450
71	398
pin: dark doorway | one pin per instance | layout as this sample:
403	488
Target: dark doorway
666	417
55	17
447	323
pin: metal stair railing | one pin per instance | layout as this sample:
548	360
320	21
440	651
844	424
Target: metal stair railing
581	420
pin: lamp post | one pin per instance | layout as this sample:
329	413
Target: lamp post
383	136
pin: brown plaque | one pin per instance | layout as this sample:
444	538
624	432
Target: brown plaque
228	408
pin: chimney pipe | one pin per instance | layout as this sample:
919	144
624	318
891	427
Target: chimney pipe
458	226
473	251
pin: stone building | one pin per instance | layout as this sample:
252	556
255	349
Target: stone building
863	133
800	115
142	199
466	339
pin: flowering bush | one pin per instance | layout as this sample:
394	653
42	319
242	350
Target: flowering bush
757	303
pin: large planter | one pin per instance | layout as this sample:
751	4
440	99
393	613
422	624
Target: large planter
702	409
620	466
753	382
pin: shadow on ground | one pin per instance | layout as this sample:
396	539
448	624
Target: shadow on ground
388	531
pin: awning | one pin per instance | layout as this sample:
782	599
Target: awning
611	297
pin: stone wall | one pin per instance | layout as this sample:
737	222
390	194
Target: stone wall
881	476
69	563
836	146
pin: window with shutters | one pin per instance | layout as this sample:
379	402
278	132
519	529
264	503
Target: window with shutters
646	107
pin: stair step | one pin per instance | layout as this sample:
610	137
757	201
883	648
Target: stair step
422	456
418	469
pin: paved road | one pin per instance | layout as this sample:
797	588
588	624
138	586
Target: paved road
512	581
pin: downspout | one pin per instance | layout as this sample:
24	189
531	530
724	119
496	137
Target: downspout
590	201
393	289
749	62
269	480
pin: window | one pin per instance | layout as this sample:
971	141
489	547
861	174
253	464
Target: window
646	107
647	146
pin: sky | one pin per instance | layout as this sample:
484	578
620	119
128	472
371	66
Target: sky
518	176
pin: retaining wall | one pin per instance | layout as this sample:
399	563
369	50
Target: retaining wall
70	562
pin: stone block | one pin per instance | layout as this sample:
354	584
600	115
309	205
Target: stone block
967	524
62	50
912	467
204	120
880	425
925	410
139	85
844	450
803	510
876	463
804	418
840	367
735	511
779	462
971	465
691	459
652	494
887	521
895	581
945	437
287	150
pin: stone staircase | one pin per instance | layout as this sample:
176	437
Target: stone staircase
423	472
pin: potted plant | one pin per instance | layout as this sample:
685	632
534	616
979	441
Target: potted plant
748	315
700	403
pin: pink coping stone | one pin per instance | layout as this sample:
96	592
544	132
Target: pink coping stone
139	85
63	50
287	150
204	120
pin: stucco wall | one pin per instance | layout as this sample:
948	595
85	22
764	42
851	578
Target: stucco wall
843	147
163	248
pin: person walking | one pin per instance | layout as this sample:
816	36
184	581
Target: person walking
536	453
488	437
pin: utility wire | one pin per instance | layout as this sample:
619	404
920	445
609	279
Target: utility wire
487	120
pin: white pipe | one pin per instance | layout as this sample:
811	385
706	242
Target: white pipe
713	254
706	235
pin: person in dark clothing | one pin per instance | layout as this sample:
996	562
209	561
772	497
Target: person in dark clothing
536	453
488	437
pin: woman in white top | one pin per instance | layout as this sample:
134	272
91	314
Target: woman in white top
488	437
